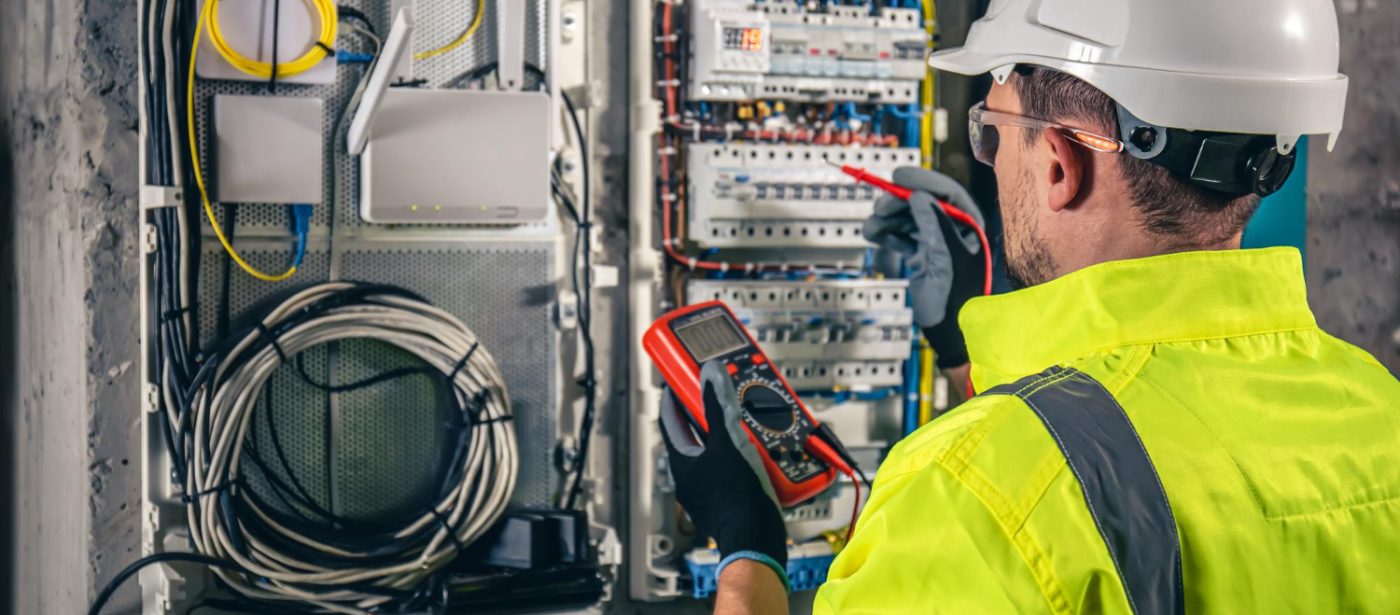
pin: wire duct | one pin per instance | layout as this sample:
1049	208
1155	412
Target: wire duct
338	564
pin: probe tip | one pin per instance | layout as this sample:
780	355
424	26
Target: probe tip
834	164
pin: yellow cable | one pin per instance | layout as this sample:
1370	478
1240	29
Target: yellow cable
199	176
471	29
926	121
927	371
325	41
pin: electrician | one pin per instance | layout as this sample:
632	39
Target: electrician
1162	426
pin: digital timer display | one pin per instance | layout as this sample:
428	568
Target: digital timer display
743	39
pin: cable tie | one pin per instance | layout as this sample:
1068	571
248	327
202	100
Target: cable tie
691	262
463	361
191	497
496	419
326	48
724	266
451	531
170	315
263	331
783	267
749	267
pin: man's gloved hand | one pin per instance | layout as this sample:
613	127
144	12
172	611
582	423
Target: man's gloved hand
720	479
945	263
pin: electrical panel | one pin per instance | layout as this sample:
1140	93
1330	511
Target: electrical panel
358	240
760	104
781	51
760	194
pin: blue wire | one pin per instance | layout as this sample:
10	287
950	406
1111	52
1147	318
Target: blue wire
300	214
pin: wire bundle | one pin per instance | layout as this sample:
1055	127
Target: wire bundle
338	564
318	51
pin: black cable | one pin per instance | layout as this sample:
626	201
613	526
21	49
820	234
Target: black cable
347	13
584	291
230	223
136	566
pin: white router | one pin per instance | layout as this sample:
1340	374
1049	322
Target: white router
431	156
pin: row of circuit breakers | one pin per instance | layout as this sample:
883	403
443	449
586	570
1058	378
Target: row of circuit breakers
778	51
756	196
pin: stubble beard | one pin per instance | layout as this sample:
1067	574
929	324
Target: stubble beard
1028	258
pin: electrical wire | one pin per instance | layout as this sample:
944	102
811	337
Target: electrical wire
159	558
325	11
457	42
583	249
199	174
338	567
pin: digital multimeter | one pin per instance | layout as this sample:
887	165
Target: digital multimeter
798	465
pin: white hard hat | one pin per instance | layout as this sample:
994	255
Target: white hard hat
1263	67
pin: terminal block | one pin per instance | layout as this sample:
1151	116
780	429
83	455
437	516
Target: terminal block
806	568
778	195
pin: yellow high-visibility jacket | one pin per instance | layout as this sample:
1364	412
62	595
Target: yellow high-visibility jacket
1161	435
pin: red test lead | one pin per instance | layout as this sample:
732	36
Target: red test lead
962	217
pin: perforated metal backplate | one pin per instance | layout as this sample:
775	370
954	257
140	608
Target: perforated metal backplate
504	292
436	22
376	453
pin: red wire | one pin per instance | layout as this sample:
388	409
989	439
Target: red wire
963	217
855	508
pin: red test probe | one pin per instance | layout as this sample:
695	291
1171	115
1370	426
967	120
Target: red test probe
900	192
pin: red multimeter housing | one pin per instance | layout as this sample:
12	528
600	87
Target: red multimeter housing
799	466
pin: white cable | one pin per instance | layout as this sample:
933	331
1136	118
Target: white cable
488	467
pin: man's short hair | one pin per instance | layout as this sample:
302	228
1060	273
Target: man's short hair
1171	207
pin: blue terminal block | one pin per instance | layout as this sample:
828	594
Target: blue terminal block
806	568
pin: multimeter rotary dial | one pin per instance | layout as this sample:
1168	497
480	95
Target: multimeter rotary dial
768	406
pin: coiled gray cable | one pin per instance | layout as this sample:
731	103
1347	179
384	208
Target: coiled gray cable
345	580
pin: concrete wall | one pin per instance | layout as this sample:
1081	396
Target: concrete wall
1354	192
68	345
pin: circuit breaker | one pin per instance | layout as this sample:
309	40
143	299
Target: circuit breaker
758	194
782	51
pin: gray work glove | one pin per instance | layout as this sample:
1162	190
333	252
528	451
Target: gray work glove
719	477
944	257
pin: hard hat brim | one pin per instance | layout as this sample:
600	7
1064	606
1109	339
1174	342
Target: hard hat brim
1190	101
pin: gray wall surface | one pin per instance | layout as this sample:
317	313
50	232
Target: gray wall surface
1354	192
68	346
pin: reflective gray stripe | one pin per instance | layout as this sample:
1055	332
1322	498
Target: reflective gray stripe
1121	487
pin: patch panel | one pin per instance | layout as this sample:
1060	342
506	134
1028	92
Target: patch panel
841	54
778	195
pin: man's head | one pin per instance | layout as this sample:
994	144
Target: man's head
1066	206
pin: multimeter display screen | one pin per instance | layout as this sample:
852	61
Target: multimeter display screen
710	337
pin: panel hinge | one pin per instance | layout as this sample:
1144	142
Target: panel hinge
567	310
150	398
157	197
150	241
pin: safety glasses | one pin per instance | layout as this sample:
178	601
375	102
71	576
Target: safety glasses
982	131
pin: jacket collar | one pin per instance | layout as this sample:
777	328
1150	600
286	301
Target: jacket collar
1168	298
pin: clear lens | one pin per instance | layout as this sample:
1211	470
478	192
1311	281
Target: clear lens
985	140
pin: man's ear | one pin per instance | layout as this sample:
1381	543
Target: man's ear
1065	170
